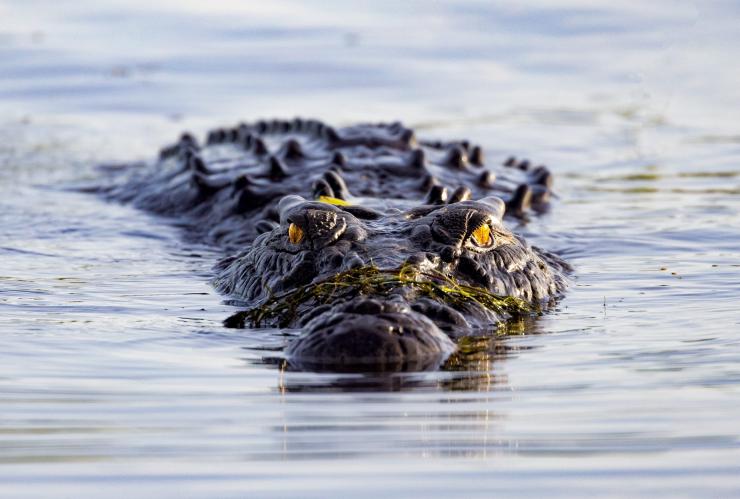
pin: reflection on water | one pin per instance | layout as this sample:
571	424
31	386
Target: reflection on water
469	369
117	374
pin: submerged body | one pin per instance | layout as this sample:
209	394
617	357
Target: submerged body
352	236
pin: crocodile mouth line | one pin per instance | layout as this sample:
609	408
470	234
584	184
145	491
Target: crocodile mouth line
374	282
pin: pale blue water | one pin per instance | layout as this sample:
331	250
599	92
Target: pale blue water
116	377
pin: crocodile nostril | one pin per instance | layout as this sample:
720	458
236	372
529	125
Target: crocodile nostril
336	260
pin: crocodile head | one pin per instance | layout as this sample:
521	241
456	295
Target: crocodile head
386	291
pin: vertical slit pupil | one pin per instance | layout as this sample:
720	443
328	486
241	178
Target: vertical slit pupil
295	234
482	235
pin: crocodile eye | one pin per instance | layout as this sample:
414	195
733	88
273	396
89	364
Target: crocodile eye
482	236
295	234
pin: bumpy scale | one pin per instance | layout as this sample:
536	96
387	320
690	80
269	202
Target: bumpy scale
365	237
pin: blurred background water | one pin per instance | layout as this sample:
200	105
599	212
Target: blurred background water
116	376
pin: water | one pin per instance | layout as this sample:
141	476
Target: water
117	378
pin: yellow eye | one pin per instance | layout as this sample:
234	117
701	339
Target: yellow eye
482	235
295	234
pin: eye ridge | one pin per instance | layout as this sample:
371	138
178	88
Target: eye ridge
295	234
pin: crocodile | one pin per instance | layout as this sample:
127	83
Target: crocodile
351	235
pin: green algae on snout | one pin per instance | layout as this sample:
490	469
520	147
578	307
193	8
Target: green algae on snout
374	282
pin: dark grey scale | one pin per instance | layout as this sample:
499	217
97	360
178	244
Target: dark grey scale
523	165
241	182
510	161
319	130
272	214
322	188
337	184
196	164
428	182
331	135
465	145
473	271
542	176
520	201
274	126
215	136
437	195
279	126
476	156
335	169
169	151
456	158
185	153
291	150
187	139
297	125
276	170
261	127
363	213
180	149
247	141
523	286
283	126
339	159
221	135
205	185
247	199
311	126
417	159
449	254
487	179
408	138
265	226
462	193
232	135
243	129
540	194
259	148
210	137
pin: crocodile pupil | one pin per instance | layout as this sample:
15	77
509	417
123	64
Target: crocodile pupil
295	234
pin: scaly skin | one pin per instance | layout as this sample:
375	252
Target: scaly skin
439	260
397	324
228	189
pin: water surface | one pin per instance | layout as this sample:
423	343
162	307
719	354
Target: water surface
116	376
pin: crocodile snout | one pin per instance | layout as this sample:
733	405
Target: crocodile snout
386	335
